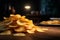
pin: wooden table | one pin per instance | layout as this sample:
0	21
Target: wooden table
53	33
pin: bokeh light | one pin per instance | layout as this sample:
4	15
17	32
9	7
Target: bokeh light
27	7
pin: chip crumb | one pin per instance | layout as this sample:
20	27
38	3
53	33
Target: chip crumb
19	34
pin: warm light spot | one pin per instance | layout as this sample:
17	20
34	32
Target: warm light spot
27	7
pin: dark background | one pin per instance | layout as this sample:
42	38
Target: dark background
45	8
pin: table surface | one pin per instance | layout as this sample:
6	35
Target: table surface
53	33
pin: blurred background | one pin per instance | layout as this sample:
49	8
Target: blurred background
32	9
